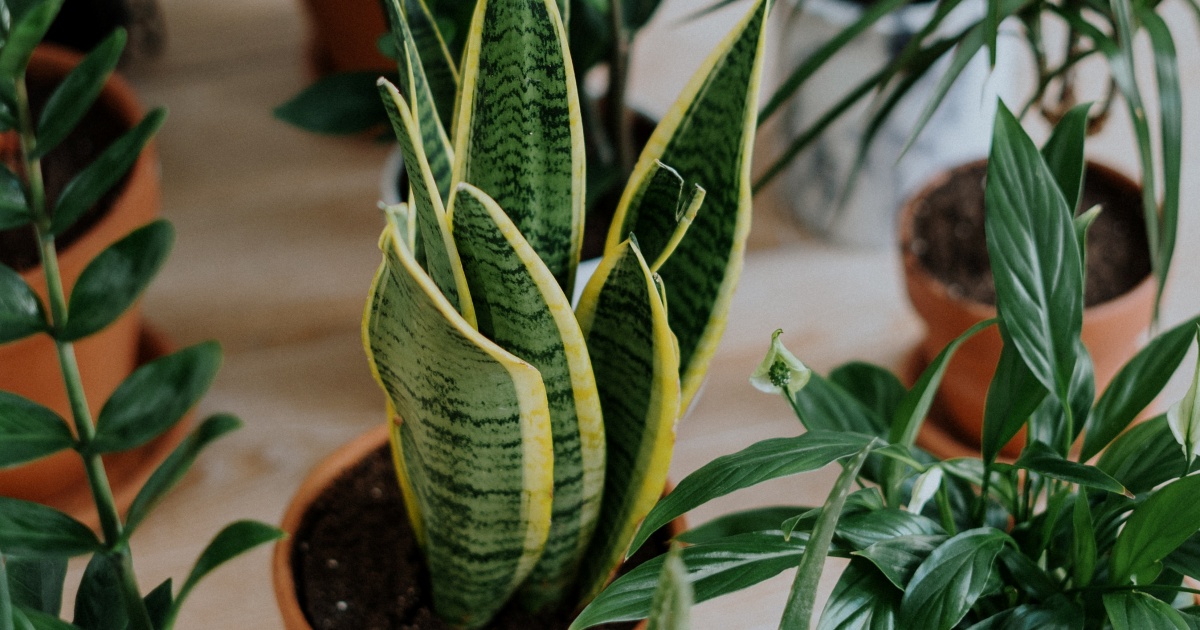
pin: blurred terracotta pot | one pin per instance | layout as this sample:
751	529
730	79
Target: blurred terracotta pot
1112	330
30	367
343	36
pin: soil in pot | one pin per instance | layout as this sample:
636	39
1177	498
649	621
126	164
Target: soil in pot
357	564
949	237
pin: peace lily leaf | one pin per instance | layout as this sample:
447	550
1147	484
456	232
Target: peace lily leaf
1083	542
1184	418
924	489
868	528
1155	528
342	103
21	311
82	192
115	279
470	412
1035	257
1134	611
898	558
433	230
707	137
31	529
768	459
672	604
25	33
1185	560
36	583
862	600
1063	153
947	583
520	306
1042	459
1144	457
625	324
1135	386
1062	614
780	370
14	209
1026	575
232	541
172	470
714	569
1082	223
743	522
1014	394
29	431
100	603
76	94
874	387
1047	423
824	405
519	136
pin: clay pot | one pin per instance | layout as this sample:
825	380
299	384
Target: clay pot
1112	331
324	474
29	367
343	36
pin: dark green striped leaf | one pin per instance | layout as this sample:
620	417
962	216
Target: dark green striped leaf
29	431
947	583
438	63
1156	527
21	312
636	366
342	103
32	529
76	94
653	212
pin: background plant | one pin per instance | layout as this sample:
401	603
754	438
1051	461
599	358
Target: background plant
529	438
35	540
1046	541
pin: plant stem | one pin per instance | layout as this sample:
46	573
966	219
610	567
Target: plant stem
619	128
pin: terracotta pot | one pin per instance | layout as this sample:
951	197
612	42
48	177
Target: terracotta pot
29	367
343	36
1112	332
283	579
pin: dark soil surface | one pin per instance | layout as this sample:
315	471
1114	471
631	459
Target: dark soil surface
357	564
948	237
99	128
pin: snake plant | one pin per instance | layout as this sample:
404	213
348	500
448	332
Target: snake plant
530	438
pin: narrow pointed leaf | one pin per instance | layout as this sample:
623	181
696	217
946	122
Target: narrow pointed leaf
158	604
1144	456
654	211
100	604
115	279
1014	394
21	312
14	209
24	35
1083	542
31	529
636	365
438	63
1063	153
475	439
672	603
743	522
82	192
862	600
155	397
1083	223
1155	528
36	583
707	136
1041	459
519	136
343	103
76	94
520	306
1135	611
29	431
949	581
232	541
1184	417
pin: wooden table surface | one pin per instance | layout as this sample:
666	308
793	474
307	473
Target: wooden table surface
276	246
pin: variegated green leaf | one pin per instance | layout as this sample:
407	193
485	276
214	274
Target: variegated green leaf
475	433
521	307
707	137
441	255
519	135
636	363
654	213
438	63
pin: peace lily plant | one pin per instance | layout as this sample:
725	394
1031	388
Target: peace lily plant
530	438
1045	541
36	541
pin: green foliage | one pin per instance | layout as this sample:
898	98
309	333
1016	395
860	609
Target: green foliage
1048	540
35	540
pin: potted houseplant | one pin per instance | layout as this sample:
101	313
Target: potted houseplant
1045	541
29	366
529	439
37	540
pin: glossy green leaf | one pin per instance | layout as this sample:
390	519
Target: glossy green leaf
155	397
898	558
21	312
474	436
1026	575
26	31
1155	528
1184	417
1144	457
114	280
742	522
1063	153
671	607
1060	614
1035	257
36	583
342	103
14	209
868	528
1135	386
520	307
1083	542
874	387
1041	459
1083	223
100	603
234	540
32	529
82	192
1014	394
1185	560
1136	611
171	471
765	460
716	109
76	94
29	431
947	583
625	324
158	604
519	136
863	599
824	405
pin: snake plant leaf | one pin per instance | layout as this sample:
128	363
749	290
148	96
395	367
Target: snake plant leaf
519	135
433	230
520	306
1156	527
655	210
76	94
475	432
707	137
21	311
636	363
421	37
29	431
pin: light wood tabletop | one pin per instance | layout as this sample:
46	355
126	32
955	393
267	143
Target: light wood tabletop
276	247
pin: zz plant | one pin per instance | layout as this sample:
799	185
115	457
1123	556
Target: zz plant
530	438
1046	541
36	541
